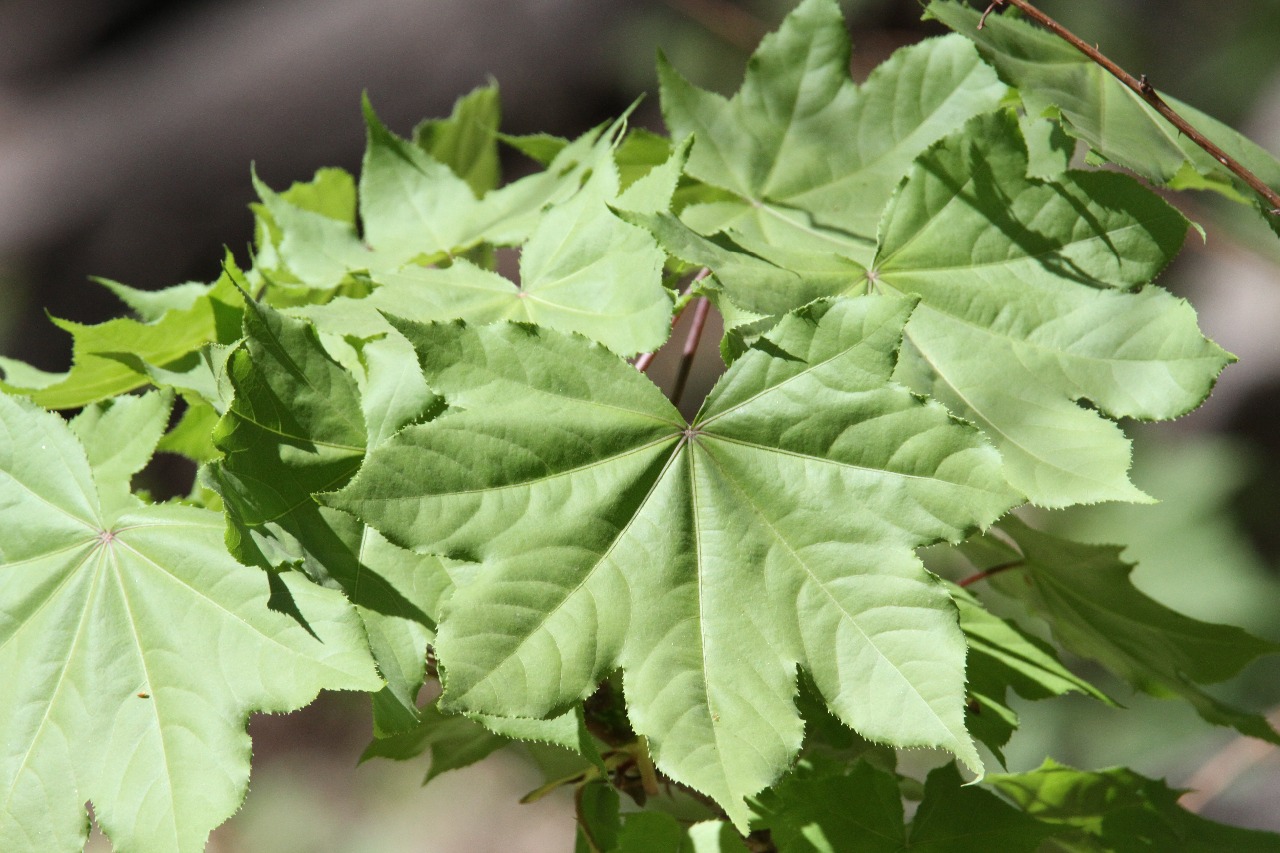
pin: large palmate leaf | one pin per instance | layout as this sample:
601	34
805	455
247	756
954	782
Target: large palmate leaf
297	426
1084	593
811	157
1119	810
709	559
135	645
1031	300
1054	78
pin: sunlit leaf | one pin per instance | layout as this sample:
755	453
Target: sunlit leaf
670	548
142	646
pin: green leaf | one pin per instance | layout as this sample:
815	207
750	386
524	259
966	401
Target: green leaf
815	813
612	533
1002	657
467	141
860	811
958	818
97	373
151	305
414	208
119	436
1031	300
1084	593
1124	811
645	832
452	740
1055	78
812	157
133	648
459	740
583	270
598	820
296	427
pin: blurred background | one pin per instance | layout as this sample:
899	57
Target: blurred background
127	128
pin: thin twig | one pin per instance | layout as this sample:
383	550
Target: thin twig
1147	92
1225	766
994	570
645	360
691	341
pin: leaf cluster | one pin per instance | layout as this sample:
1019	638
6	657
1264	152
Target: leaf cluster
426	459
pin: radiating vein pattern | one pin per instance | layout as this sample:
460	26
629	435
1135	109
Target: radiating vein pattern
708	561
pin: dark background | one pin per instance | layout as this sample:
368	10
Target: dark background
127	128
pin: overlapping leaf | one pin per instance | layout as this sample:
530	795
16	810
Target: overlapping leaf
297	426
707	560
1002	657
174	328
861	812
1119	810
1084	593
581	270
135	647
1054	78
1029	303
413	207
811	157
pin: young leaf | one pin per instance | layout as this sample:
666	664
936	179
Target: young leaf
1055	78
811	156
1002	657
96	372
134	649
860	811
582	270
119	436
1028	304
701	558
1123	812
413	207
296	426
1084	593
467	141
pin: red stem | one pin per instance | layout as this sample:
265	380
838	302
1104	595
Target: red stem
645	359
691	341
1147	92
994	570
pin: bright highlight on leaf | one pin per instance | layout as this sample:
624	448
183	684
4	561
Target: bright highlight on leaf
774	144
707	560
1030	301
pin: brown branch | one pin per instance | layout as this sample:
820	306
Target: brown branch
1147	92
994	570
645	360
1225	766
691	341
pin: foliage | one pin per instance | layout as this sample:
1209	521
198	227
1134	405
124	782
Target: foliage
415	469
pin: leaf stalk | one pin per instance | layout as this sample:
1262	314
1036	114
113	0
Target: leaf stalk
1148	93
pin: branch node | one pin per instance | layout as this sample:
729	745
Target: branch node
982	22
